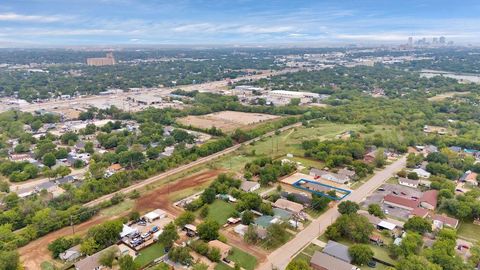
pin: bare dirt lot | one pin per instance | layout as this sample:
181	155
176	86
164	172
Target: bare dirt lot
159	197
226	120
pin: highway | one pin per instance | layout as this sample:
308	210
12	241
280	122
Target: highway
280	258
184	167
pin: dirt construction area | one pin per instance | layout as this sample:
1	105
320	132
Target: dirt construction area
159	198
36	252
226	120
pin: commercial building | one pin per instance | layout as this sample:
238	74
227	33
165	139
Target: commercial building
109	60
282	97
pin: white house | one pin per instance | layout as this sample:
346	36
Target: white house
421	173
408	182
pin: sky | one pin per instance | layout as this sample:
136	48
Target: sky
234	22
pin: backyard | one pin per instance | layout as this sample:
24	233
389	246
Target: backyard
149	254
243	259
469	231
220	211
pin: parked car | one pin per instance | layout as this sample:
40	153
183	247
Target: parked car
142	223
154	229
372	264
394	192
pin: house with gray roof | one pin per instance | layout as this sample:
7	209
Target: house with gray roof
338	251
323	261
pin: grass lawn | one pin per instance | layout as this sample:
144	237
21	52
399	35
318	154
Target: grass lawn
118	209
220	211
469	231
310	249
243	259
222	266
149	254
47	266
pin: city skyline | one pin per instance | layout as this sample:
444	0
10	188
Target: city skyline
187	22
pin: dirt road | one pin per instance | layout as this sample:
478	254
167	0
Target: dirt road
283	255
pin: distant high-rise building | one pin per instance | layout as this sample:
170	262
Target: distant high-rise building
410	41
434	40
109	60
442	40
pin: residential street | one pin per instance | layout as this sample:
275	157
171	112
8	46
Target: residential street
282	256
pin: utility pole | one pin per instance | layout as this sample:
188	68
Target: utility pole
72	225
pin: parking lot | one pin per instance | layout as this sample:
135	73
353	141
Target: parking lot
398	190
145	233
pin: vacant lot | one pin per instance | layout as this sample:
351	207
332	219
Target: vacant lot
226	120
220	211
446	95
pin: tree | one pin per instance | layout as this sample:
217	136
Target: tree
379	160
298	264
180	255
89	147
251	235
107	257
169	235
61	244
204	211
276	235
376	210
418	224
89	246
208	230
214	254
126	263
9	260
319	202
414	262
247	217
353	227
361	254
208	195
49	160
348	207
413	175
410	245
186	217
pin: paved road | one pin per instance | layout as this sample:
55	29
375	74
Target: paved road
282	256
184	167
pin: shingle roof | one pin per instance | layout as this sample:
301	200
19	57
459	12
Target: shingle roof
328	262
338	251
401	201
430	197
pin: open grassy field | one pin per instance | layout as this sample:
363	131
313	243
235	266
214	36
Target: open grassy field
469	231
149	254
446	95
220	211
118	209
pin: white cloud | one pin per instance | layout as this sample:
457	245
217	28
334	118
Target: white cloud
15	17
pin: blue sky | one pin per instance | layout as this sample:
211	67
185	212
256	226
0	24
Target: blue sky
107	22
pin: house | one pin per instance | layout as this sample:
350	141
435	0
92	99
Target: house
429	199
435	129
330	176
20	157
293	207
469	177
419	212
322	261
249	186
71	254
92	262
421	173
439	221
224	248
240	229
408	182
190	229
347	172
430	149
154	215
297	197
400	202
114	168
337	250
456	149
